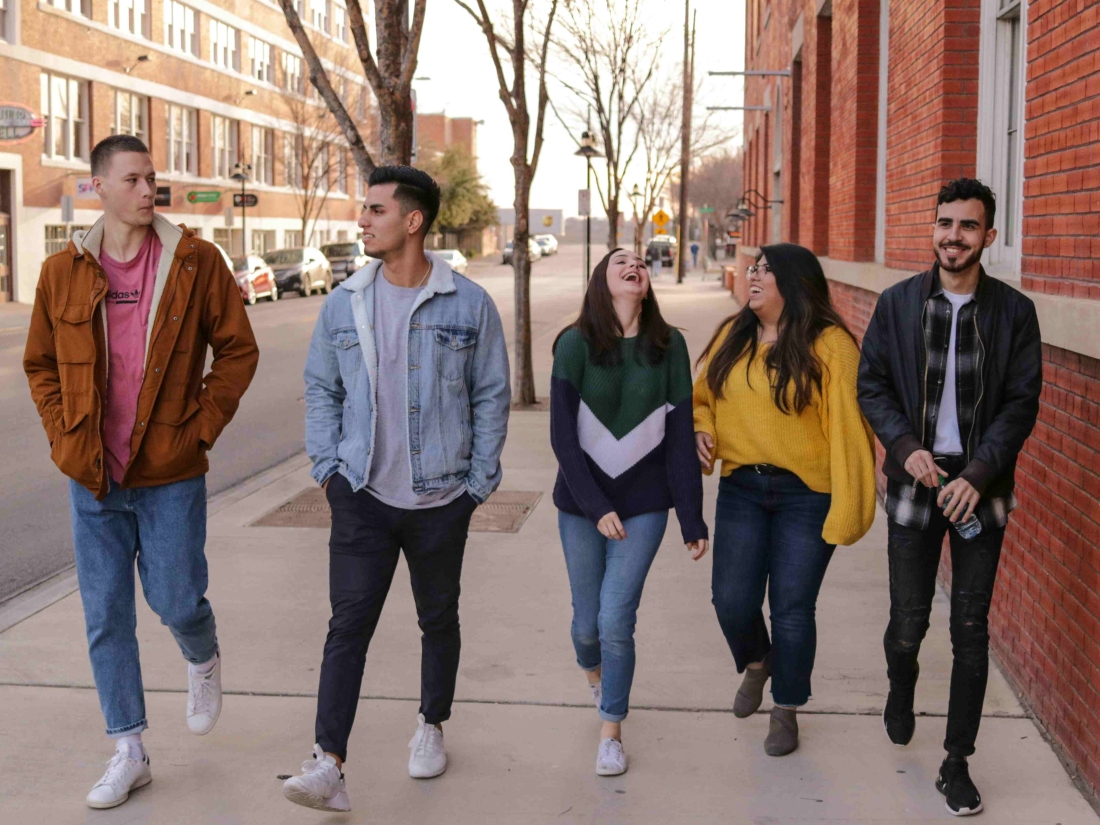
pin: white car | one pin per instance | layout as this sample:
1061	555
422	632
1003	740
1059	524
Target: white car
456	259
548	244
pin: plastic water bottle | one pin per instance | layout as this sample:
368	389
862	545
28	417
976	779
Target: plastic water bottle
967	529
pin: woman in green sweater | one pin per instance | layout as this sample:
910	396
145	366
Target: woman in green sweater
621	428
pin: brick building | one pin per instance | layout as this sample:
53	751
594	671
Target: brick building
204	84
875	106
436	132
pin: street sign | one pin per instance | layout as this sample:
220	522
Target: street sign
85	189
706	209
203	197
66	208
247	199
164	196
584	202
17	123
660	230
660	218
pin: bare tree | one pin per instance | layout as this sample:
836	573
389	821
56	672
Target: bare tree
717	182
508	50
390	77
309	159
608	54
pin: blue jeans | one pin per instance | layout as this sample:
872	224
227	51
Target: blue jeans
767	533
164	529
606	578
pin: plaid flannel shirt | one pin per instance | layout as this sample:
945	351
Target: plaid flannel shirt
910	504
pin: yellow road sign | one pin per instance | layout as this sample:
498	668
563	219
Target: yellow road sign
660	230
660	217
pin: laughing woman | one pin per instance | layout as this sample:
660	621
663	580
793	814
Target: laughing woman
621	428
776	401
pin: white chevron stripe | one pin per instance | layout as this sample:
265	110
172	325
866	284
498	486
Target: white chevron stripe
615	456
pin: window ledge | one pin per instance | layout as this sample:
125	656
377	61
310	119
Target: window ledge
76	164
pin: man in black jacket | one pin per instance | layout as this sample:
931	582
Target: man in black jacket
949	379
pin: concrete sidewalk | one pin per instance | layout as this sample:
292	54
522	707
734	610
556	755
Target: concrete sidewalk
523	737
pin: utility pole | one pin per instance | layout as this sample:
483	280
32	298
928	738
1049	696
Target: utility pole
685	138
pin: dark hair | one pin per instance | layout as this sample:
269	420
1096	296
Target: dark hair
111	146
965	189
416	191
807	312
601	329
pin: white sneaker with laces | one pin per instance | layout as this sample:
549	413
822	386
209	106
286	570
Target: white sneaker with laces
204	697
428	758
320	786
597	693
611	760
123	775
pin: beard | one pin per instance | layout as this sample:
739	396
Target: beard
966	259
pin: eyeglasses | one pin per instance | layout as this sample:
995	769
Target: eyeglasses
763	269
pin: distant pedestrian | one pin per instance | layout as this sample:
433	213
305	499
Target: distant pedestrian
620	426
119	334
407	396
950	379
694	255
776	401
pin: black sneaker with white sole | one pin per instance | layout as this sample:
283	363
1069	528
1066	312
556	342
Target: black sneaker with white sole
954	783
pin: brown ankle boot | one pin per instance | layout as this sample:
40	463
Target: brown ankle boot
751	692
783	732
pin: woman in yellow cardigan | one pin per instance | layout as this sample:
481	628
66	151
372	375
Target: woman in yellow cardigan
776	402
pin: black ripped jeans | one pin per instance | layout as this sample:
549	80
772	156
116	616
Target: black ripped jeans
914	559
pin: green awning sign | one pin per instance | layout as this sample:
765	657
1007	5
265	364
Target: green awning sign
203	197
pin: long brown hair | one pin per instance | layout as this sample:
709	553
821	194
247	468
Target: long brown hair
794	372
602	331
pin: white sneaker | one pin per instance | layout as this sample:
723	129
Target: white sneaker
611	760
597	693
204	697
428	758
123	775
320	786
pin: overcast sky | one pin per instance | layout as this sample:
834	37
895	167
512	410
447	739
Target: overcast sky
453	53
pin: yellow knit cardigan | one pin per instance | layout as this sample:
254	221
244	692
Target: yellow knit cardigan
829	445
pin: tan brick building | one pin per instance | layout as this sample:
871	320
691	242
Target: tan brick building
204	84
879	103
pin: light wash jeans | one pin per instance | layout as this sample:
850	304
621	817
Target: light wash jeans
606	578
164	529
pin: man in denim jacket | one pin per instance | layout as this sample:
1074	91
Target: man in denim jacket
407	397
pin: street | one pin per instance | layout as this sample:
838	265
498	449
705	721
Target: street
35	538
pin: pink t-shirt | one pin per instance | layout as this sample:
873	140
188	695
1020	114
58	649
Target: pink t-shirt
129	297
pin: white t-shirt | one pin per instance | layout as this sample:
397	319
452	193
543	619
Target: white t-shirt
948	440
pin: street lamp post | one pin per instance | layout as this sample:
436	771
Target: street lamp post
240	172
588	151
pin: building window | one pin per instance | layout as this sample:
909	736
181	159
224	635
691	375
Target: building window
65	110
292	238
57	237
361	104
262	151
341	170
292	73
4	17
81	7
292	161
1009	47
223	45
182	126
340	23
128	16
180	31
263	241
259	53
360	190
131	115
321	10
223	145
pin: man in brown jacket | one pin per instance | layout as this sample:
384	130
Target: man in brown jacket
115	354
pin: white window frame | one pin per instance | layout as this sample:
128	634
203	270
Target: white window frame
292	161
292	73
136	120
8	10
224	45
181	143
340	23
320	14
292	238
181	31
74	120
259	55
81	8
223	146
131	16
341	183
263	150
998	92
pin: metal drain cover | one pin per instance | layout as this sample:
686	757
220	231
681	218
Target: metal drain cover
504	512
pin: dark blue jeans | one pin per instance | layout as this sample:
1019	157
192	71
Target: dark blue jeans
767	533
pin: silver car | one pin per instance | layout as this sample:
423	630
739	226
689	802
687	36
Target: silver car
457	261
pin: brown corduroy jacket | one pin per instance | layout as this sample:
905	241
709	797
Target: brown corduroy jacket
196	304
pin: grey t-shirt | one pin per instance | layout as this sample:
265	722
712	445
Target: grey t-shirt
390	478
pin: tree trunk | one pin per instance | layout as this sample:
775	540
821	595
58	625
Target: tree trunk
396	130
613	216
523	391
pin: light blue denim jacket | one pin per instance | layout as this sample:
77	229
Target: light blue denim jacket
458	384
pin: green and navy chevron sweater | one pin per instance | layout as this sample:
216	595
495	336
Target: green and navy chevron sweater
624	435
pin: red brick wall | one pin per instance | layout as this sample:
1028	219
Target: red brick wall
854	141
1061	245
813	229
932	105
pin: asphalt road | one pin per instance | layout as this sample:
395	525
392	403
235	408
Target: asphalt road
35	537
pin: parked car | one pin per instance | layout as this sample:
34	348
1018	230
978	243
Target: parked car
456	259
255	278
547	243
346	258
533	251
663	247
304	268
